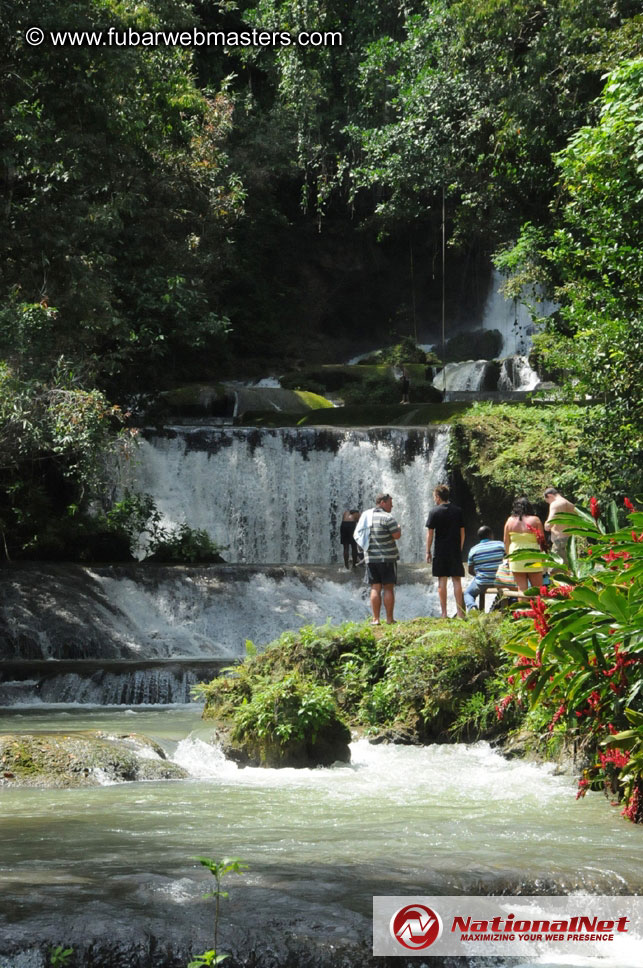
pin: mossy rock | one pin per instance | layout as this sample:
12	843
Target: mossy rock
82	759
331	745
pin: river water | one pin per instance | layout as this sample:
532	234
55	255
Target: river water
116	863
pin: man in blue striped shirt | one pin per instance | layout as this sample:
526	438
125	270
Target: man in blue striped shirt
483	562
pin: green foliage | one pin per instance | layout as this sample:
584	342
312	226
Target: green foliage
593	264
181	544
505	450
582	659
473	98
60	956
118	198
56	438
406	351
291	709
219	869
418	676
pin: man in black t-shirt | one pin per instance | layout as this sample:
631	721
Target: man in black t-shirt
446	523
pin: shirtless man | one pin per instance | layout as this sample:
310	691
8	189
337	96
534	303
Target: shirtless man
346	531
557	503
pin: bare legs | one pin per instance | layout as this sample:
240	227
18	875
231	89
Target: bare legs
457	591
386	594
522	579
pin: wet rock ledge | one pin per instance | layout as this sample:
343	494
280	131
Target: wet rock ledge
91	758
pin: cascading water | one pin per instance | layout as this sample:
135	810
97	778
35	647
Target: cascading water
511	317
458	377
517	374
278	495
111	871
147	634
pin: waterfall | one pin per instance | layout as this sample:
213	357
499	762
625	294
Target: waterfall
468	375
517	374
147	633
277	495
511	317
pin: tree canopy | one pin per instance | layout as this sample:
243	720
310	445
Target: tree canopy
176	213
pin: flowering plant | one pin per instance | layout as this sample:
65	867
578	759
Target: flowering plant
580	649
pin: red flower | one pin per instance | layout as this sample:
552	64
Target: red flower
594	508
542	541
582	788
617	757
628	504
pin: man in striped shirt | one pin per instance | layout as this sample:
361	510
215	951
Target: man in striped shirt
381	557
483	562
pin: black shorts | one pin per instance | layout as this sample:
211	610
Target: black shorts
381	572
346	532
448	567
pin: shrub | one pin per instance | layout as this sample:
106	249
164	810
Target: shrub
580	655
182	545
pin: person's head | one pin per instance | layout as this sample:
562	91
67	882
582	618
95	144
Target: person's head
485	533
441	493
551	494
521	507
384	501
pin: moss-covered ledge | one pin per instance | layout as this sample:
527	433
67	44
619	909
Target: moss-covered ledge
89	758
421	681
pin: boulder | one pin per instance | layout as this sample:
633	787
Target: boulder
331	745
82	759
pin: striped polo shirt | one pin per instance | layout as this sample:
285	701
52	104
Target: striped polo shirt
381	546
485	558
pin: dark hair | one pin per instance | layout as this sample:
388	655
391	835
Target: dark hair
550	490
522	506
484	532
382	497
442	491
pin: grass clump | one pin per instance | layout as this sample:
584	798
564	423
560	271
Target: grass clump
418	678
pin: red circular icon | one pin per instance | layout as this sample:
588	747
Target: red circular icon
416	926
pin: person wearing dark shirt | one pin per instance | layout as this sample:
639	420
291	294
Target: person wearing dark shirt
346	531
445	523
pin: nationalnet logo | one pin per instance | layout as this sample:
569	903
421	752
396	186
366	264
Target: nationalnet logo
416	926
586	925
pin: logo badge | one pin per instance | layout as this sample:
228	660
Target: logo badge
416	926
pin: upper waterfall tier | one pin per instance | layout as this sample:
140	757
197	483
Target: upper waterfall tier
277	495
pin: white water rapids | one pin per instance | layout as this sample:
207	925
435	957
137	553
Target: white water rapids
118	860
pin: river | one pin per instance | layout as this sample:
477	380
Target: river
111	870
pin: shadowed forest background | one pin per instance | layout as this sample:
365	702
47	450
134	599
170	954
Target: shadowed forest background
175	215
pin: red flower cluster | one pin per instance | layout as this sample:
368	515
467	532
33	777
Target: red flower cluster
617	757
537	612
615	555
628	504
582	788
542	540
634	809
559	712
593	705
556	591
618	669
594	508
502	705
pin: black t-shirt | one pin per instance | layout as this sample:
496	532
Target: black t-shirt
446	520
